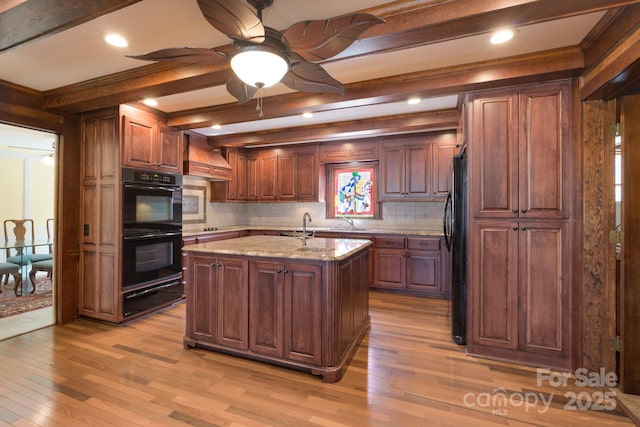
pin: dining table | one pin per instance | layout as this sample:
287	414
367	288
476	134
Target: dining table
24	249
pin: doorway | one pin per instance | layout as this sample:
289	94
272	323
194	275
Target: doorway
628	145
28	171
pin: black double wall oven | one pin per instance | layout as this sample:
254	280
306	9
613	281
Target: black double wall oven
151	241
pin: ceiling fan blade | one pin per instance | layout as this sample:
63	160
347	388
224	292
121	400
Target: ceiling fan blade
309	77
240	90
189	55
322	39
235	18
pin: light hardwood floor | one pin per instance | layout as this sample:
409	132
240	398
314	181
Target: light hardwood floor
406	372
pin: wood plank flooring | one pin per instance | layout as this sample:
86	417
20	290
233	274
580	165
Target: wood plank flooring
406	372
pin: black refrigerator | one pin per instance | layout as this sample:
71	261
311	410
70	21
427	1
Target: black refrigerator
455	231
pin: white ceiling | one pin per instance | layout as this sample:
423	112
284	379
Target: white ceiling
79	54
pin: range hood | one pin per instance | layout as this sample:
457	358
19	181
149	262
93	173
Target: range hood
202	160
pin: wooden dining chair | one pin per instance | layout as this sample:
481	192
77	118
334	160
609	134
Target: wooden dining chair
23	230
45	265
7	269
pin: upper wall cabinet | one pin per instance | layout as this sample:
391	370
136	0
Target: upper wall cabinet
521	153
338	152
148	144
235	189
416	168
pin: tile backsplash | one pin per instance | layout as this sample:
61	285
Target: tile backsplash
404	215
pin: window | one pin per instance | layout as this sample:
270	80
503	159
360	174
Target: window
352	190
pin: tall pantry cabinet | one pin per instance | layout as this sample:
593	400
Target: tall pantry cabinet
519	283
113	138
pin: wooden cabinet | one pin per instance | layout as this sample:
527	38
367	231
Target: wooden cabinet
149	144
253	192
285	313
414	264
267	175
519	281
390	265
234	189
404	170
217	301
289	174
441	170
521	295
521	151
279	174
340	152
424	266
100	289
308	314
416	168
113	138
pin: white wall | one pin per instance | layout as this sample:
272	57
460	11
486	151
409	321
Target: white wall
28	192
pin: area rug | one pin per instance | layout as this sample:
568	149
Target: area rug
10	305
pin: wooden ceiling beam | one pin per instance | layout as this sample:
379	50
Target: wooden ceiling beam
29	20
429	121
440	22
409	24
522	69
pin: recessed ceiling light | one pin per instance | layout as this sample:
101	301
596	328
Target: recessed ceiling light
216	127
413	101
150	102
501	36
307	115
116	40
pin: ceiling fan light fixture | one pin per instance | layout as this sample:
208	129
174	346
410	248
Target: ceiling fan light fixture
259	66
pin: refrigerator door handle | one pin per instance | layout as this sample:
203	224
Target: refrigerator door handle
447	219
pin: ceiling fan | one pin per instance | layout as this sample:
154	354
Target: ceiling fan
291	53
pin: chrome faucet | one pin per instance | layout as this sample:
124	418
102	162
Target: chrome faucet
350	221
304	228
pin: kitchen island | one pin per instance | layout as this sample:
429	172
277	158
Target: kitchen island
273	299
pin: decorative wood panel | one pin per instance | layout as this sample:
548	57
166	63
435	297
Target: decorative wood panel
169	150
494	150
202	299
544	147
266	284
494	294
544	287
303	313
423	271
267	167
233	294
138	144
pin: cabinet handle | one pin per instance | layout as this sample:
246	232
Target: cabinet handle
278	271
524	211
515	227
515	211
286	271
523	228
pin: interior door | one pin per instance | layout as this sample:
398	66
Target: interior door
630	255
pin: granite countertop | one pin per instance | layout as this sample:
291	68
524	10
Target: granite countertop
283	247
356	230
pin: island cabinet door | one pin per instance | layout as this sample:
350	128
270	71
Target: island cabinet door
202	298
233	296
266	314
303	313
